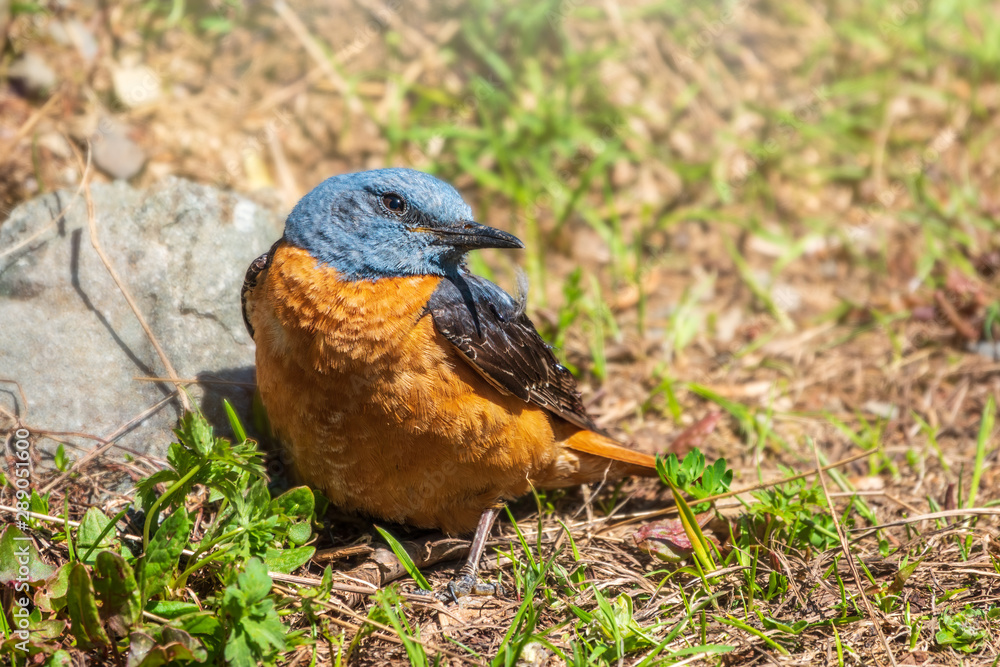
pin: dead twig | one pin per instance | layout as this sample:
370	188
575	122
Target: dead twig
29	125
250	385
747	489
95	241
55	220
315	51
24	400
965	329
872	616
109	442
944	514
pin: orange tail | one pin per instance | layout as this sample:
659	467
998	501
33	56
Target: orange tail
591	457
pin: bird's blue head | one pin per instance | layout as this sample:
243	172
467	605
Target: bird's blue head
389	223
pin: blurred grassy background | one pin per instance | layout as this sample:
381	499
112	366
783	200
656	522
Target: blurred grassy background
701	186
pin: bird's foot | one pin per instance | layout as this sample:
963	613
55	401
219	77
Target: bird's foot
467	584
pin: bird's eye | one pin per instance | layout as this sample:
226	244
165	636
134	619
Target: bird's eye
394	203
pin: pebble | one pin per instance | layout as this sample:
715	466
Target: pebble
115	153
786	297
74	32
32	74
136	86
881	409
986	348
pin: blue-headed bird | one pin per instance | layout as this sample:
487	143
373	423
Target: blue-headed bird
403	386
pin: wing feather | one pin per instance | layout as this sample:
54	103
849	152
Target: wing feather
500	342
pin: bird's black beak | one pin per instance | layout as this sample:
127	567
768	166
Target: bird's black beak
469	235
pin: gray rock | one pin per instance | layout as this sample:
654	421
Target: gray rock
69	338
32	74
136	85
115	153
985	348
72	31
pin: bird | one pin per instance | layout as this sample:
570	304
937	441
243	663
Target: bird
403	386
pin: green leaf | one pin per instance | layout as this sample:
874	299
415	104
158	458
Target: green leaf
286	560
164	550
707	649
234	421
52	596
196	433
718	477
216	24
961	631
39	504
254	581
300	532
238	652
61	461
297	502
899	580
693	466
82	607
202	623
166	646
322	502
18	8
405	559
60	658
690	523
267	634
117	591
774	624
95	533
257	632
45	630
15	547
171	609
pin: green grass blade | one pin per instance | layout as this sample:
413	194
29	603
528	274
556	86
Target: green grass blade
736	623
985	429
234	421
404	558
699	542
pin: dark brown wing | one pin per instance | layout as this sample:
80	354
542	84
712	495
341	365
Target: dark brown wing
250	282
495	336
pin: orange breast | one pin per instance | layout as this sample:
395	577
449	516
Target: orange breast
376	408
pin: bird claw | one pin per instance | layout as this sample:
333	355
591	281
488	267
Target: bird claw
462	586
466	584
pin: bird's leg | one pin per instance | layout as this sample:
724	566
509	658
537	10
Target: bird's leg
466	581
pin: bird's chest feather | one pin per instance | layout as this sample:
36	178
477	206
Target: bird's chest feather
360	341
